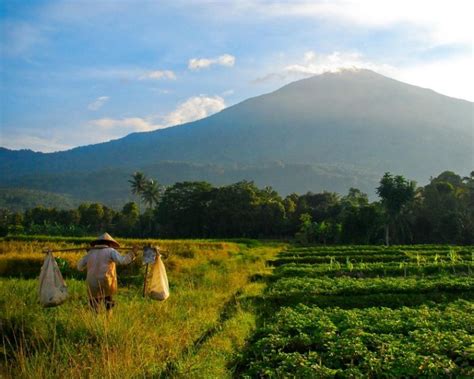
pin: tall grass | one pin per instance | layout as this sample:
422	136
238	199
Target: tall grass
142	338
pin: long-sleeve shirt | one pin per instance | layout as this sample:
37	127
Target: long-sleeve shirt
101	272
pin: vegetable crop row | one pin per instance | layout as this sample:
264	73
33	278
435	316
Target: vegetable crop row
339	259
388	300
371	258
354	286
371	270
466	253
348	248
309	342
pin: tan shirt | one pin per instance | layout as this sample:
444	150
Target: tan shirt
101	273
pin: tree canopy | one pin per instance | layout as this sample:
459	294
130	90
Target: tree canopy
440	212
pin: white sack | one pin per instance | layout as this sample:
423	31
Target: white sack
52	289
158	288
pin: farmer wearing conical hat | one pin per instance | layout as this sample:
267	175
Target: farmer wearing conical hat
100	262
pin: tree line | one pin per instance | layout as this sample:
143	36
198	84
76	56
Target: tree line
440	212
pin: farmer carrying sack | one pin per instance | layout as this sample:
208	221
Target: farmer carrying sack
52	289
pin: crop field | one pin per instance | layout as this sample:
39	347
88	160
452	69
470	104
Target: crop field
246	309
196	333
366	312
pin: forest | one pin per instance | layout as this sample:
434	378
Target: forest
440	212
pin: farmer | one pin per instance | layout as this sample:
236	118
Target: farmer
101	274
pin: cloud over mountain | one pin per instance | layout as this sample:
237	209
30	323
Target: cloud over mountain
195	108
192	109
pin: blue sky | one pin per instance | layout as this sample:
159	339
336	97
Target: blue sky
82	72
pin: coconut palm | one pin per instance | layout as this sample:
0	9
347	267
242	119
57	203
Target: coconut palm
151	193
138	183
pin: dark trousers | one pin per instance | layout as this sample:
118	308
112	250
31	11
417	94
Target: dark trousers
95	303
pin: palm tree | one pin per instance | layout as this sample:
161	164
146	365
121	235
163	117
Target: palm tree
138	183
151	193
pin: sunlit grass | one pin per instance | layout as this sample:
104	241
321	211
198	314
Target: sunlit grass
142	337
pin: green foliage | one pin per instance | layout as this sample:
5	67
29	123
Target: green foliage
396	192
374	342
127	221
148	189
366	312
183	208
197	209
138	183
313	232
442	211
371	270
306	288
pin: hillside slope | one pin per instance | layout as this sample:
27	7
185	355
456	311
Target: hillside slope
359	121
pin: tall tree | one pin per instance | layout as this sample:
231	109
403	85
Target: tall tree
445	210
395	192
127	221
138	184
151	193
355	198
183	210
92	216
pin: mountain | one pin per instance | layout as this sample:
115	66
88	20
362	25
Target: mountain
18	199
352	125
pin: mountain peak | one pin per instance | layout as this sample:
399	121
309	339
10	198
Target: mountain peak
348	72
345	76
352	71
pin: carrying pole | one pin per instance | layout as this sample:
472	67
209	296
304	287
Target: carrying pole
80	249
144	282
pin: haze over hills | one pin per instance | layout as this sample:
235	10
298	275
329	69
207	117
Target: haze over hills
328	132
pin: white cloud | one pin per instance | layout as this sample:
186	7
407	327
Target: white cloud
315	64
192	109
158	74
132	124
98	103
226	60
440	22
199	63
452	77
319	63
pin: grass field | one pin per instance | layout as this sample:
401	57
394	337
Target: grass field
195	333
248	309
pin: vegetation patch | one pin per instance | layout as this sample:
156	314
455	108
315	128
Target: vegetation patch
365	312
209	297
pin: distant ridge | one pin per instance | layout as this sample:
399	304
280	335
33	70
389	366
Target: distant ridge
18	199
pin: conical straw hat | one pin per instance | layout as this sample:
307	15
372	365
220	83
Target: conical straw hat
106	239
